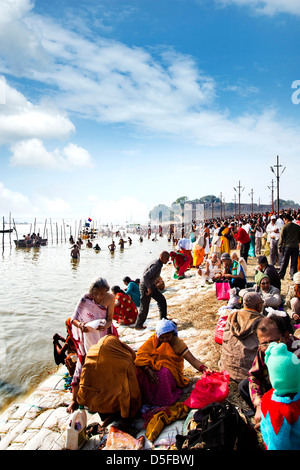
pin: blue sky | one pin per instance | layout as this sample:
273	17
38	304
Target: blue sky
110	107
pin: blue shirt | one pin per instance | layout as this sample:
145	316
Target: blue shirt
133	291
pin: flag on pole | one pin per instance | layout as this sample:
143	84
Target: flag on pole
89	219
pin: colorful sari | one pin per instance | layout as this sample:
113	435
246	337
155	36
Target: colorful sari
86	311
251	253
225	245
181	263
125	311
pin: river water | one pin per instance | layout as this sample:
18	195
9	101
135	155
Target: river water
40	289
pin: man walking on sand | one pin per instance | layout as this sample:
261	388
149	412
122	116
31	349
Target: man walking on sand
149	290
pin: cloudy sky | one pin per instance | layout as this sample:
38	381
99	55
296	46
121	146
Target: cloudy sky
110	107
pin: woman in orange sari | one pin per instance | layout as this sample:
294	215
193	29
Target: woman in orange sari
160	364
125	310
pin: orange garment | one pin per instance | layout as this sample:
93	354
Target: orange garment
198	256
108	382
156	356
163	418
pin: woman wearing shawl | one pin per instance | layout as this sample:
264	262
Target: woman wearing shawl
125	311
91	321
160	364
108	383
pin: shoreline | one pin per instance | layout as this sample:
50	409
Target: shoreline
39	419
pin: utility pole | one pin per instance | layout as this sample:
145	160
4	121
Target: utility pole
277	174
221	196
251	194
272	195
239	190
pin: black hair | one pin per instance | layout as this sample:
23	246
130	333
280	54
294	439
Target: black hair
283	324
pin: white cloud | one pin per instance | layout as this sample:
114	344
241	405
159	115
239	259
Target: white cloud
32	153
21	119
268	7
110	82
12	201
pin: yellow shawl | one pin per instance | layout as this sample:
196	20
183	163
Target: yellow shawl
156	356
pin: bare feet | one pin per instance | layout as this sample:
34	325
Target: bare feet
72	407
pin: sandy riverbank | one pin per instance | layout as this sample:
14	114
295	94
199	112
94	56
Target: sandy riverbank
39	421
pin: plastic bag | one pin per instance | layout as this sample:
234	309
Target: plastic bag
220	329
212	387
222	290
120	440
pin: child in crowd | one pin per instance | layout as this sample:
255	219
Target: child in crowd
280	406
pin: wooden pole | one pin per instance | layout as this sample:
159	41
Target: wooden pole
3	236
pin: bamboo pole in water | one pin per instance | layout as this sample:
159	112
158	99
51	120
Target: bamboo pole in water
51	231
3	236
15	229
10	229
45	229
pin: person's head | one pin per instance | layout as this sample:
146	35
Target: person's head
272	329
166	330
262	261
287	218
98	289
264	283
226	259
284	369
116	290
253	301
164	257
234	256
273	219
126	280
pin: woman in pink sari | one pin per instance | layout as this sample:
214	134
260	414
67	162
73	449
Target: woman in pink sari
91	321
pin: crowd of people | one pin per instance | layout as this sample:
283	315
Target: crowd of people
110	378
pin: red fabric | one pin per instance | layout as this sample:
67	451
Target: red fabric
213	386
241	236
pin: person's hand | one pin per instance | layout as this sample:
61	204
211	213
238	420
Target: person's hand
148	291
296	317
152	375
83	328
257	417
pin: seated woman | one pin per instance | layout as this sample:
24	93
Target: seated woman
270	294
160	364
232	271
64	354
293	298
108	383
132	290
97	304
125	311
212	268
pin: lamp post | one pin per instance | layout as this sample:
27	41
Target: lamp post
238	190
277	174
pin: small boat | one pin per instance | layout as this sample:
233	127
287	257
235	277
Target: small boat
8	230
30	243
